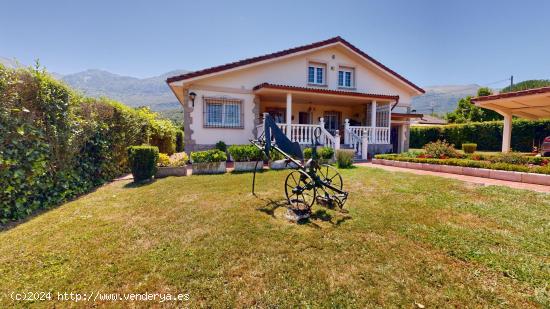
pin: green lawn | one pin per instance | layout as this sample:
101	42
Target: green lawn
407	239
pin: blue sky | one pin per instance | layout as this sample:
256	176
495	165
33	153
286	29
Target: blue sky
429	42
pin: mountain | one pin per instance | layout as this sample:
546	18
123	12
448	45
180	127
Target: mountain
132	91
10	63
442	99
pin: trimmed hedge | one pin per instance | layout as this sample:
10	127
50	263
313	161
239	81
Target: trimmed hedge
245	153
487	135
469	147
470	163
208	156
56	144
143	161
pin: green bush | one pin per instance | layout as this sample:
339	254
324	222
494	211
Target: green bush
213	155
326	153
469	147
440	149
344	158
56	144
221	146
163	160
143	161
243	153
180	159
307	153
179	141
510	158
274	155
487	135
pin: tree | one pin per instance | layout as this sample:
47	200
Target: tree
466	111
527	84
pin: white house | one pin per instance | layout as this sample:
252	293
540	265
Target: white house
331	84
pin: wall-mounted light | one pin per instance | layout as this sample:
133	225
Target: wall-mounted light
192	97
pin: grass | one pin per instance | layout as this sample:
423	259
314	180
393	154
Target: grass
407	240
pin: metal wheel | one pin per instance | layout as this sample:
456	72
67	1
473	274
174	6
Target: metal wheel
331	176
300	190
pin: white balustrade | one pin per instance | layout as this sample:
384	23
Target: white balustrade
375	135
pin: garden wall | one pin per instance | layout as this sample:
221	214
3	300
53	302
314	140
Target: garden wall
487	135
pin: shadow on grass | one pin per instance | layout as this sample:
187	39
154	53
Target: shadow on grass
138	184
318	215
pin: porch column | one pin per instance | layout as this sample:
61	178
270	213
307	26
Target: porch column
364	146
507	133
346	135
373	121
289	115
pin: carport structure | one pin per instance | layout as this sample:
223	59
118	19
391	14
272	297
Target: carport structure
530	104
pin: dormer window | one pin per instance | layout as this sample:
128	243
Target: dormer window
346	77
316	73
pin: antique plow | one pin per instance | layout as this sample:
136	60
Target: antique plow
309	182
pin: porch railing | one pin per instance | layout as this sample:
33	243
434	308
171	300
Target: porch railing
375	135
303	133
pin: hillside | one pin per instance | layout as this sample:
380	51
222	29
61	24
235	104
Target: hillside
133	91
442	99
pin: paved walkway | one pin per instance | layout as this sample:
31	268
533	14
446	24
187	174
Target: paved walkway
478	180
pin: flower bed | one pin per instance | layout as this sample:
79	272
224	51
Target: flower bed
172	166
529	167
246	157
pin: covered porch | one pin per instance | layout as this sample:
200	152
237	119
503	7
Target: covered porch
347	119
530	104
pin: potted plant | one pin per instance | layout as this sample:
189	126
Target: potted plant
246	157
208	162
172	166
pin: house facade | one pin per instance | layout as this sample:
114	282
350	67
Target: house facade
331	84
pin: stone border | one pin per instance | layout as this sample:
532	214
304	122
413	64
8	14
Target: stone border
539	179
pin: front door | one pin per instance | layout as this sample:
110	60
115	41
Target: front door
332	122
304	118
394	138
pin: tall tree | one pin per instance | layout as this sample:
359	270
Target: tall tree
466	111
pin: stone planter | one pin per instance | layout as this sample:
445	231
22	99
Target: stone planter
171	171
248	166
209	168
280	165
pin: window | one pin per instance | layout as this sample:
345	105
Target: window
345	77
222	113
316	73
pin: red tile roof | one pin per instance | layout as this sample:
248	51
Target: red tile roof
511	94
326	91
288	52
406	115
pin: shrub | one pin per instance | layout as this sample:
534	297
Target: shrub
179	160
179	141
469	147
487	135
510	158
344	158
221	146
440	149
243	153
56	144
163	160
143	161
326	153
307	153
274	155
213	155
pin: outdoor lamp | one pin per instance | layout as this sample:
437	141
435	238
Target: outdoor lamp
192	96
